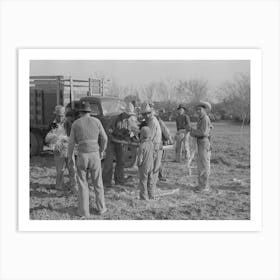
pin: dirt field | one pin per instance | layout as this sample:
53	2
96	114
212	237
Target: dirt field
228	200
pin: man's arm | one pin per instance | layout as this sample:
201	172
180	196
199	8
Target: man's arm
165	130
140	156
72	142
103	138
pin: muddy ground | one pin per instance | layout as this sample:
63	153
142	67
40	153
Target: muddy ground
228	200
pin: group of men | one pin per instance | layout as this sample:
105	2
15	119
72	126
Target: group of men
202	135
89	139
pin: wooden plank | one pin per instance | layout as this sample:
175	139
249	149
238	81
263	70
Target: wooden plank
44	77
58	92
71	93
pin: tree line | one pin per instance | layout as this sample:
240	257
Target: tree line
230	101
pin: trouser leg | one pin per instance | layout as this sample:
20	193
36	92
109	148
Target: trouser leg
150	185
60	164
161	169
83	193
203	163
107	172
72	173
119	169
143	183
178	146
187	153
156	167
96	177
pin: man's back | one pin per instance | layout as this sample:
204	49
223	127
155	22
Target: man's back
85	132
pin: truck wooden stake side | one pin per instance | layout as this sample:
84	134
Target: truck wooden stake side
48	91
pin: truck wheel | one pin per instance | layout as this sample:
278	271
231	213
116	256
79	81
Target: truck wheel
130	153
36	143
40	142
33	144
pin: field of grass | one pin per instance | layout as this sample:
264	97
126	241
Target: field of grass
228	200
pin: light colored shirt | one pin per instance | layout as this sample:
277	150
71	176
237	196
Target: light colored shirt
145	159
156	133
203	127
86	131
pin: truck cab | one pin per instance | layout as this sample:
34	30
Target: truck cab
106	109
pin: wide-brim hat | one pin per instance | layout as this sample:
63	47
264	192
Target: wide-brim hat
181	106
84	107
59	110
204	104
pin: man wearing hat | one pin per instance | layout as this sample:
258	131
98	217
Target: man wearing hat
123	128
182	125
202	134
165	137
57	138
156	137
86	132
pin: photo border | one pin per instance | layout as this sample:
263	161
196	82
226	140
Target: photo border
255	57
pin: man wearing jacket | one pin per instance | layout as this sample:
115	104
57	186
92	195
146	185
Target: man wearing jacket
86	132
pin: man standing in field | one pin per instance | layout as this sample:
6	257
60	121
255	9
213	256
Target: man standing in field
145	164
165	137
85	132
202	134
57	138
182	125
156	135
122	129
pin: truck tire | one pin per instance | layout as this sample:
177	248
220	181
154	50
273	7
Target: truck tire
33	144
130	153
40	142
36	143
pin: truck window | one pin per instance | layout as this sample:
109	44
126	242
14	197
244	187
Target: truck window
112	106
94	109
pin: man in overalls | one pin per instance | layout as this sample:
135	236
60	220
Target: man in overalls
202	134
156	137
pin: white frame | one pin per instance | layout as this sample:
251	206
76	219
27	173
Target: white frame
254	55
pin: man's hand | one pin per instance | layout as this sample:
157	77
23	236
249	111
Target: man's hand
102	154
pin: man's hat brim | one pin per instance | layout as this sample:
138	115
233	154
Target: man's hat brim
86	110
205	105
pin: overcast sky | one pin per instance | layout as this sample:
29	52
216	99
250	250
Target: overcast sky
138	73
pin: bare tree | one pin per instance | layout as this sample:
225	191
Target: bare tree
191	90
237	97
